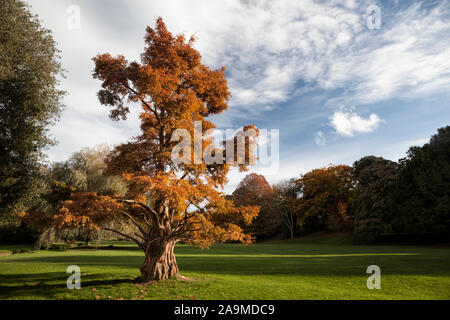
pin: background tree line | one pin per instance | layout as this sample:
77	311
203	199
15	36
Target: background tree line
374	197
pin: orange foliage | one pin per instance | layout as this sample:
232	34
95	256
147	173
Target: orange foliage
327	193
252	189
166	201
87	210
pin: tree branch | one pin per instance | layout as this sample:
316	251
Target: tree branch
146	207
144	103
134	222
179	233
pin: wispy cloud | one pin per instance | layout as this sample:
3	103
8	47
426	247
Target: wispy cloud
407	58
269	46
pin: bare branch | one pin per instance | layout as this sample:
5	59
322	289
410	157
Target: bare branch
146	207
134	222
146	220
138	235
179	233
136	93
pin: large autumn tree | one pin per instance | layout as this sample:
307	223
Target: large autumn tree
167	200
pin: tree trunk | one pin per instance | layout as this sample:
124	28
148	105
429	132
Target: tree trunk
159	262
87	239
45	239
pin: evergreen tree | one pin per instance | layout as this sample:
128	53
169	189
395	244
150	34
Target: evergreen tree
422	195
373	199
29	102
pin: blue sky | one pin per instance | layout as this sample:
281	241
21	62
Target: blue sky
336	88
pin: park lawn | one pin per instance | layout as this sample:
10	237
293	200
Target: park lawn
10	249
298	269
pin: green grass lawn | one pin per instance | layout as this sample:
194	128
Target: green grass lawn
301	269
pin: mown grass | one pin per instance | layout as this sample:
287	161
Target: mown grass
19	248
315	268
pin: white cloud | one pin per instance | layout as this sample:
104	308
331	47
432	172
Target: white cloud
348	123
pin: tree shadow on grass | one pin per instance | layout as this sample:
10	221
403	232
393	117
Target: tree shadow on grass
332	265
315	266
85	260
47	285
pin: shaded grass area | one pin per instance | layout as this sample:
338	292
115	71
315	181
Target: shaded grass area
315	268
11	249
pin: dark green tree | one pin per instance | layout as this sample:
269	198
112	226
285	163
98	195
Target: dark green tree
422	194
29	101
373	195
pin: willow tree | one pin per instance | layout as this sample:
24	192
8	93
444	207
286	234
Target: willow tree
173	193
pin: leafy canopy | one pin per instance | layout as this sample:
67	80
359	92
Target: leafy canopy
373	196
255	190
29	102
422	194
326	195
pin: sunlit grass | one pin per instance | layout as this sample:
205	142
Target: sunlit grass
301	269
